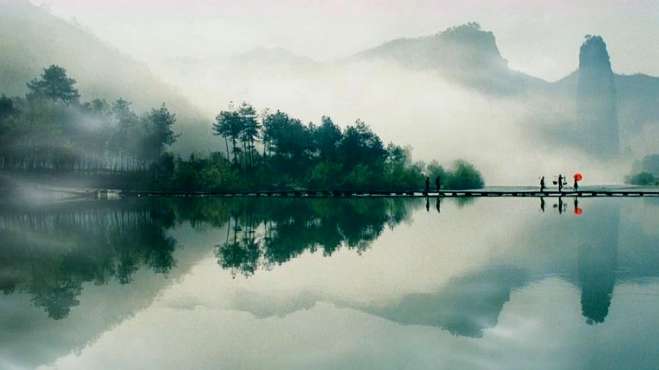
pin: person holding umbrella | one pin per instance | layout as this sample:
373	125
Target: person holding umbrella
577	177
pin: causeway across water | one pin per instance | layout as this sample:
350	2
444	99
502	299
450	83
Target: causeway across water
608	191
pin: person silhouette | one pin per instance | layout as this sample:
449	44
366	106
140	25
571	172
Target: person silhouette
542	184
576	183
438	184
561	179
427	187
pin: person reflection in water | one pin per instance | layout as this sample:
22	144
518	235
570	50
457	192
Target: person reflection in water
542	204
577	210
427	204
560	206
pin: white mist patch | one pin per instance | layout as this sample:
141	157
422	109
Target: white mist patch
439	119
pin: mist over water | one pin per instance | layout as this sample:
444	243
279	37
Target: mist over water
293	276
174	194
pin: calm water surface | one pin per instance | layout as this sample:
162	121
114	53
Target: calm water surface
330	284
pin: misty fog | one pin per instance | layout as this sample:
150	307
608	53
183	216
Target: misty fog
198	70
439	119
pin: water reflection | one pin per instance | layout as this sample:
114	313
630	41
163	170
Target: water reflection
53	255
465	306
597	264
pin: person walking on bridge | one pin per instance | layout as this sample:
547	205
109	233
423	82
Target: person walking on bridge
577	177
542	184
438	184
426	190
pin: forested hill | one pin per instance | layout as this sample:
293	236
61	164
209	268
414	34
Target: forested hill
33	38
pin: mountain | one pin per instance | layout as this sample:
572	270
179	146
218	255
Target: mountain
611	113
33	38
597	104
462	53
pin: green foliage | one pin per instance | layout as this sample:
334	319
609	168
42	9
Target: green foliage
643	179
50	130
326	138
360	146
54	84
435	170
464	176
299	156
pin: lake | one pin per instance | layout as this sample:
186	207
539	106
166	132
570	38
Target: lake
203	283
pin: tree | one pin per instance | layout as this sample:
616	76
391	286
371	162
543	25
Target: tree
54	84
435	170
465	176
360	145
7	108
160	132
228	124
274	124
250	129
326	138
643	179
123	141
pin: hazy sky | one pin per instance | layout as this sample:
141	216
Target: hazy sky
537	37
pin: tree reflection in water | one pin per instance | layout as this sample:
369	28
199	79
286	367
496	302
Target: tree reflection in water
51	252
265	233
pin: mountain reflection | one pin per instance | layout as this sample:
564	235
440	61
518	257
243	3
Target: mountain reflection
465	306
52	253
597	264
470	303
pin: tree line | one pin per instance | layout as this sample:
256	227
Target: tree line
50	128
273	150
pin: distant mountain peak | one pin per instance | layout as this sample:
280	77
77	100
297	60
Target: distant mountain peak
460	46
596	99
464	53
593	53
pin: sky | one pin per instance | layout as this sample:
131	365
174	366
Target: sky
537	37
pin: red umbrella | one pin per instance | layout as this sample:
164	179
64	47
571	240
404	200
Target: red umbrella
578	176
